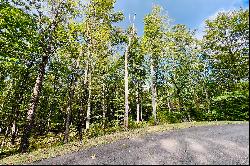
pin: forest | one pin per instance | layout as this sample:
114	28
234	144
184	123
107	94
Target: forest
68	71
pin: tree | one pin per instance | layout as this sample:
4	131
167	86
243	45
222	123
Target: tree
17	58
97	32
63	62
48	41
126	56
152	41
183	65
226	45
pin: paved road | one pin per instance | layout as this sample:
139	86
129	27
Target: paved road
226	144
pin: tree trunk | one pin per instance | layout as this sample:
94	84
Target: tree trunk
126	85
80	125
69	109
207	100
83	99
153	88
137	107
49	117
141	113
66	133
33	104
168	100
13	132
88	103
180	101
104	107
15	118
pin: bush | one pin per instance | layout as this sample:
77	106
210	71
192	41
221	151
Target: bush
132	124
169	117
97	129
231	106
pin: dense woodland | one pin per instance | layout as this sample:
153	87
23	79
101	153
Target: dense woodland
69	72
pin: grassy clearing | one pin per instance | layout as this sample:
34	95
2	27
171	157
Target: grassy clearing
76	146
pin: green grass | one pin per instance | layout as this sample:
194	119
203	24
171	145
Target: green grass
76	146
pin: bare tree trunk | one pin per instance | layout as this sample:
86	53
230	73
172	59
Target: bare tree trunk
137	107
104	107
153	88
69	109
180	100
82	100
13	132
168	100
49	116
126	86
141	100
197	103
208	101
33	104
80	125
141	113
80	111
169	107
88	103
66	133
15	118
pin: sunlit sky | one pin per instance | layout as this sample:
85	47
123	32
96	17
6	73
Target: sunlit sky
189	12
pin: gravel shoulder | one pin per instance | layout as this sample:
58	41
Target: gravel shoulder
223	145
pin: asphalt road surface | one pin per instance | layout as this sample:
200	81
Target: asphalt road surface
223	145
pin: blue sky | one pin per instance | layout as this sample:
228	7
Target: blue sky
189	12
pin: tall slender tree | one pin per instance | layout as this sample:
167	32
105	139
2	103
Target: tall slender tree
153	39
48	41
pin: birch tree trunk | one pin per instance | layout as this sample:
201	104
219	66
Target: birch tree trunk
137	107
169	106
126	86
88	103
153	88
13	132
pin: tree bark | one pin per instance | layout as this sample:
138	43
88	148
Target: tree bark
153	88
66	133
15	118
141	113
104	107
80	125
33	104
126	85
69	109
14	131
137	107
88	103
207	100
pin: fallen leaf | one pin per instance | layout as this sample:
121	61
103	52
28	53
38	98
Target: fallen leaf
93	156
